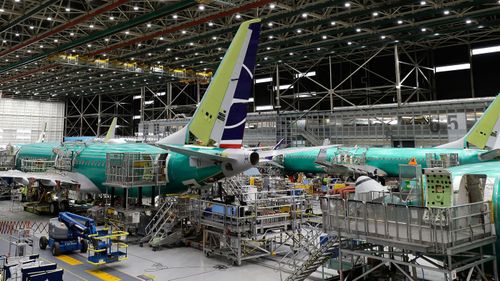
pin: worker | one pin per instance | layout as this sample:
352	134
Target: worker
24	193
413	162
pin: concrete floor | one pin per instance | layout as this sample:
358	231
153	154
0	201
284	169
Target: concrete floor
143	264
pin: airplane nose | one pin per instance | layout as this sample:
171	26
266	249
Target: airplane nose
254	158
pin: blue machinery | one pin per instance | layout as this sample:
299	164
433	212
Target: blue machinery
71	232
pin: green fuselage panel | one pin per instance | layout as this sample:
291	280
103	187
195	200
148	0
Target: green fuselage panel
91	162
386	159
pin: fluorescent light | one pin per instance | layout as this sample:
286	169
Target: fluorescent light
251	99
160	94
306	94
284	87
487	50
148	102
137	117
263	80
264	107
307	74
453	67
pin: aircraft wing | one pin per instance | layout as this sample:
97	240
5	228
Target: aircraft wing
215	156
278	152
50	177
490	155
16	174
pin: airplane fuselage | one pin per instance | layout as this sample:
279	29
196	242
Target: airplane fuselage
386	159
91	162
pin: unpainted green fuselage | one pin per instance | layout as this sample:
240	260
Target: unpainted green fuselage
386	159
91	162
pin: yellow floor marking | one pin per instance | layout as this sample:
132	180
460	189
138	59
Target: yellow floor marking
102	275
49	261
150	276
66	270
69	260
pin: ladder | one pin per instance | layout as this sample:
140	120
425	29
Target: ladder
164	218
16	198
317	257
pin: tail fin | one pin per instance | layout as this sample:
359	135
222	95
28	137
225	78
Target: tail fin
221	116
41	137
484	134
111	131
278	144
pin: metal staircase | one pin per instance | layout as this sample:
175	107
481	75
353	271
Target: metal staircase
317	257
310	137
162	222
232	186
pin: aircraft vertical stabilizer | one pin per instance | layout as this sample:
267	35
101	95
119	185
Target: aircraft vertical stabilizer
41	137
221	116
111	131
483	134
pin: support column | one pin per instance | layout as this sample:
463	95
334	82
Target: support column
398	75
198	96
125	201
143	101
139	196
153	195
99	114
278	102
112	196
65	130
330	91
81	115
471	71
169	100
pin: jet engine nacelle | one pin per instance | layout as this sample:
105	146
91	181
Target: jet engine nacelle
364	186
243	160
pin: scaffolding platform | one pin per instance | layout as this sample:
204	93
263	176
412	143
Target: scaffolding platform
402	234
8	159
131	170
248	230
37	165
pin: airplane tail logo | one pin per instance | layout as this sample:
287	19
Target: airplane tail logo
239	90
221	116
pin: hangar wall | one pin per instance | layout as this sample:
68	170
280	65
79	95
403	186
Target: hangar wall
21	121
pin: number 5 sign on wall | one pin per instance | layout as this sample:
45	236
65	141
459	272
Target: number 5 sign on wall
457	125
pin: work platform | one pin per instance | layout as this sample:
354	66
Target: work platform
250	230
128	170
454	240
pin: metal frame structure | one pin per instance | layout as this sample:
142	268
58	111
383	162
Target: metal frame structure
89	52
422	123
451	240
256	230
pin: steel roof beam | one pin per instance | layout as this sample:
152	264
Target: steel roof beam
28	14
97	35
65	26
356	36
181	26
